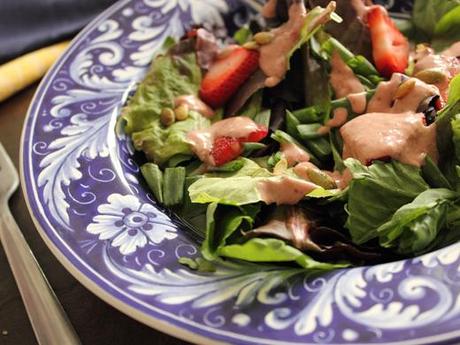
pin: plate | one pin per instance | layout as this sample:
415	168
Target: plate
96	215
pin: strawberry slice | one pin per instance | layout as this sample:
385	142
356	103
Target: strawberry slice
225	149
389	46
256	135
227	74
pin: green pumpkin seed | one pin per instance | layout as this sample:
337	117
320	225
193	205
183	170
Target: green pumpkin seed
263	37
431	76
321	179
182	112
167	117
405	88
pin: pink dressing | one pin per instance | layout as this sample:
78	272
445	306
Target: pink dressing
446	63
269	9
340	117
342	78
453	50
294	154
196	104
384	99
201	141
360	8
284	190
358	102
342	180
274	57
403	137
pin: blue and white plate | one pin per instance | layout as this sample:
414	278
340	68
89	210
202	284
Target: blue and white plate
96	215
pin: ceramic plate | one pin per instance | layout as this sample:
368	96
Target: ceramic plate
92	209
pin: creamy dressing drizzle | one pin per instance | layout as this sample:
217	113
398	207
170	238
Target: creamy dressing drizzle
401	136
384	99
294	154
358	102
274	57
201	141
340	117
284	190
196	104
453	50
342	78
447	63
269	9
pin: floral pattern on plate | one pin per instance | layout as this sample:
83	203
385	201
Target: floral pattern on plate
83	188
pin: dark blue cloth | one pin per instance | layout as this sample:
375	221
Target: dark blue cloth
26	25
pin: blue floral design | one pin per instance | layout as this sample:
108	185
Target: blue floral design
130	225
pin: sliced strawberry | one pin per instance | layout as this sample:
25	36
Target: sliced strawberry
227	74
256	136
225	149
389	46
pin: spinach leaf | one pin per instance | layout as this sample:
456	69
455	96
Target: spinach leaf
376	192
415	225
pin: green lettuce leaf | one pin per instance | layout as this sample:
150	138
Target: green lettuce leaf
274	250
438	20
415	225
376	192
222	222
162	143
169	76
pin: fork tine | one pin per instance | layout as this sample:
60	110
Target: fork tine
9	180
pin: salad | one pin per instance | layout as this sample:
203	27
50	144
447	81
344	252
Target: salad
322	135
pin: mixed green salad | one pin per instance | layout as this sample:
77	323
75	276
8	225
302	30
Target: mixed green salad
325	135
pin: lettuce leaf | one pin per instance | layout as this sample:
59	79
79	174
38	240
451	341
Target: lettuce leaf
376	192
170	76
162	143
222	222
274	250
415	225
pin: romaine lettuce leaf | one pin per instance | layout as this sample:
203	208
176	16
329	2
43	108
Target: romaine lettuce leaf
415	225
274	250
376	192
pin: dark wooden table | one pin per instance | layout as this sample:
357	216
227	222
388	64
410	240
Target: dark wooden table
95	321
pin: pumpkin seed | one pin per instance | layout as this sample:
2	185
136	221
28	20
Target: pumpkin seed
182	112
405	88
167	117
251	45
263	37
431	76
321	179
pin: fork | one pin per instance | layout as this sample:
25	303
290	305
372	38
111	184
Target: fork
48	319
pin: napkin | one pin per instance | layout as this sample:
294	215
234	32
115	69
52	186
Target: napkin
25	70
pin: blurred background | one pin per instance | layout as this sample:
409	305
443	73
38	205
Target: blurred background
26	25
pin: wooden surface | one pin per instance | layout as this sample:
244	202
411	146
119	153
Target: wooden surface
94	320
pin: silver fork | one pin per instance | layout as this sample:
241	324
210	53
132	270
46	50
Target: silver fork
48	319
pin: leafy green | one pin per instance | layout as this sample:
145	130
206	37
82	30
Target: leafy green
415	225
168	77
173	186
222	222
428	13
274	250
154	177
162	143
243	35
376	192
308	29
438	20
